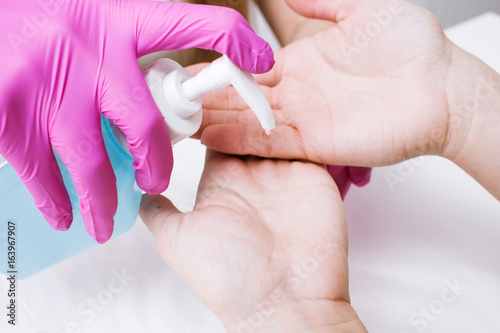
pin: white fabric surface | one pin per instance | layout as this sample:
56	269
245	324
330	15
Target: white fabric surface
438	225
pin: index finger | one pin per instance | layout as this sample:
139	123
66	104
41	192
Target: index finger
162	26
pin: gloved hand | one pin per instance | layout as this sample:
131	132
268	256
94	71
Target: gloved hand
344	176
63	63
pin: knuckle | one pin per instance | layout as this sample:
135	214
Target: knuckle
231	20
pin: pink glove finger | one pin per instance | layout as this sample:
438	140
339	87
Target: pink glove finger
162	26
360	176
25	145
341	176
344	176
41	176
78	140
127	102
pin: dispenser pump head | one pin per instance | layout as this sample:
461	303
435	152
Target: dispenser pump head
223	73
179	95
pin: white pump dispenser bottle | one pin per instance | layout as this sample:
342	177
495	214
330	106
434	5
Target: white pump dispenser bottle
179	95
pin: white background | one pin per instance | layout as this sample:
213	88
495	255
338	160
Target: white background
451	12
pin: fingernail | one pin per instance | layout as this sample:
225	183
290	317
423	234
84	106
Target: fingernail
146	199
152	186
67	220
102	235
58	219
102	240
144	211
149	207
100	228
265	61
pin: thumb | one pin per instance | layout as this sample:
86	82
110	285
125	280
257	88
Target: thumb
160	216
330	10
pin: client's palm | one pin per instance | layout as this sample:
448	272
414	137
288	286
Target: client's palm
340	101
263	233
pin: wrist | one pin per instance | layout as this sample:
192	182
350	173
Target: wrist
299	316
473	93
473	141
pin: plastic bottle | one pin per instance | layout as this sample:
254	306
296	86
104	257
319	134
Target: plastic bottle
178	95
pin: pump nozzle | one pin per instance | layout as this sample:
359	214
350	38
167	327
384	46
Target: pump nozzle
221	74
179	95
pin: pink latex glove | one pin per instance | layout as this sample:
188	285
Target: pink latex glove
344	176
63	63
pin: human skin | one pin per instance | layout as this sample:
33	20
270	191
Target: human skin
290	27
287	24
407	92
265	247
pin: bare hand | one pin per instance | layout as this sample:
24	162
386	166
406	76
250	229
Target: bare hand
265	238
370	91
